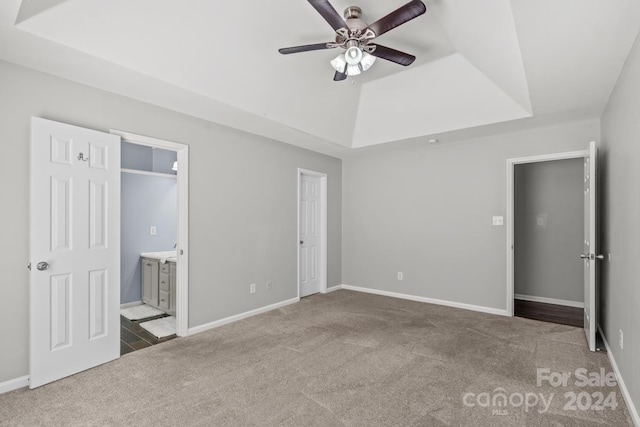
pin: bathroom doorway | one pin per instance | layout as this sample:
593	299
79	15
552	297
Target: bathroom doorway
154	281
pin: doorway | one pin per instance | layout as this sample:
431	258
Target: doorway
170	293
548	236
312	232
148	223
545	235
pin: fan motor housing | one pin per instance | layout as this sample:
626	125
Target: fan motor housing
352	16
352	12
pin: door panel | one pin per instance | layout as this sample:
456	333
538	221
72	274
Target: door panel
97	303
75	230
61	213
60	311
97	215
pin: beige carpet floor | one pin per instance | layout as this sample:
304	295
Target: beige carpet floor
341	359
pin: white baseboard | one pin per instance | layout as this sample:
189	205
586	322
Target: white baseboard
490	310
130	304
235	318
545	300
332	289
623	388
14	384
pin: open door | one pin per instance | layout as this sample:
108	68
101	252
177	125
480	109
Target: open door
74	296
590	254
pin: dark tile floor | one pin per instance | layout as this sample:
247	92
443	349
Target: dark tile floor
133	337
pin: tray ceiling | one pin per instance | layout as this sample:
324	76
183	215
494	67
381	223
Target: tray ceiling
479	62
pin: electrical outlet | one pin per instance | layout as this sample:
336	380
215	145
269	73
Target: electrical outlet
252	288
621	340
152	230
269	284
498	220
400	275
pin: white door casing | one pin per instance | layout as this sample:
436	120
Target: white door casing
75	229
511	163
312	251
590	254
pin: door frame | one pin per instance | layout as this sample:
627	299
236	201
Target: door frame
511	164
322	268
182	266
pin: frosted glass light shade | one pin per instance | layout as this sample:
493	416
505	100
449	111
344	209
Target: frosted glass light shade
367	61
339	63
353	70
353	55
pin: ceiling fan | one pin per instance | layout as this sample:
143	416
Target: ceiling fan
355	37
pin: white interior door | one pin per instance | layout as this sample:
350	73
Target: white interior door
310	229
590	254
75	250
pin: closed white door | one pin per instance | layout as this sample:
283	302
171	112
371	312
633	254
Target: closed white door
75	250
590	255
310	237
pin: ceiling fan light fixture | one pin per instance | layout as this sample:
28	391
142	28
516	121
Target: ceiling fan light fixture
342	64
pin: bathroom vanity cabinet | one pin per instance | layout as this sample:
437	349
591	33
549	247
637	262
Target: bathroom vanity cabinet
159	284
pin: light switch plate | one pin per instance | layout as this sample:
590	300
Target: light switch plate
152	230
541	220
498	220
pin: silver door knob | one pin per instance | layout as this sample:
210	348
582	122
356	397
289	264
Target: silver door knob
301	242
42	266
591	256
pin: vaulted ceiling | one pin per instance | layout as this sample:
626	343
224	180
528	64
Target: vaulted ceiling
479	63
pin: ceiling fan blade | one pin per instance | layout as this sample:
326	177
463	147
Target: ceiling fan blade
330	15
338	76
392	55
304	48
405	13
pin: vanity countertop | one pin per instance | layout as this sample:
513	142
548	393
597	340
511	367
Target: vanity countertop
164	256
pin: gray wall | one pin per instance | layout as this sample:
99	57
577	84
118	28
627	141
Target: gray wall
135	156
620	202
546	256
427	210
243	191
145	201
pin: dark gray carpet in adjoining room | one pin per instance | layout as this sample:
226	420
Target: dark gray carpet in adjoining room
341	359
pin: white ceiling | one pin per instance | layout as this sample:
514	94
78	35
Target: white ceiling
479	63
